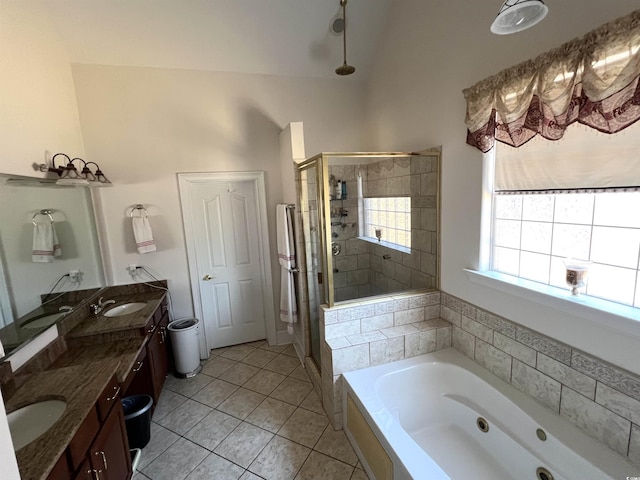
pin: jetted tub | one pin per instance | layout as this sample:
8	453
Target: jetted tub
441	416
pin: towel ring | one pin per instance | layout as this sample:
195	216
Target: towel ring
141	208
42	212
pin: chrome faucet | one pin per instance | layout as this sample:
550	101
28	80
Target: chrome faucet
97	308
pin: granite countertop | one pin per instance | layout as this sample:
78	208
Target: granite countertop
80	386
123	351
96	325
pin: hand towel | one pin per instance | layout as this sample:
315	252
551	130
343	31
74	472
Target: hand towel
287	259
143	234
45	243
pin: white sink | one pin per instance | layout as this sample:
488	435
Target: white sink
43	321
125	309
28	423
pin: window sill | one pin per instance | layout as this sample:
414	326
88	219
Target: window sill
621	318
392	246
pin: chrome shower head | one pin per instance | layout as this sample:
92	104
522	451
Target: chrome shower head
344	69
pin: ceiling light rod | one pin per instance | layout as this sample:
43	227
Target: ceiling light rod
344	69
517	15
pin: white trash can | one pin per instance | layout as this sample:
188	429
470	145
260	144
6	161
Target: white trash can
186	349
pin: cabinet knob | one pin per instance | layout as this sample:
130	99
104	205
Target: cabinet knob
207	277
137	367
115	395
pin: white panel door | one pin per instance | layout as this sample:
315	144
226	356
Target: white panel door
228	263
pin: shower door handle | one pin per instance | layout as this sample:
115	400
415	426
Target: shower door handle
207	277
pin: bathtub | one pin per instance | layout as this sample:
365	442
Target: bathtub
428	414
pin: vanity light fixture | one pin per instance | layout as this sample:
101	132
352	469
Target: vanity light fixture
70	175
517	15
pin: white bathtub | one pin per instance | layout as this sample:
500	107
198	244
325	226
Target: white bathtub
424	413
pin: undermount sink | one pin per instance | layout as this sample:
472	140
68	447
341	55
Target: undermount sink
125	309
28	423
43	321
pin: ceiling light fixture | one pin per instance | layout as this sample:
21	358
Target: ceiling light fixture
517	15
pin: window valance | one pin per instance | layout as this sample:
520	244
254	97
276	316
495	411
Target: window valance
593	80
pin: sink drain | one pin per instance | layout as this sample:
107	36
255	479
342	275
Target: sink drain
482	424
543	474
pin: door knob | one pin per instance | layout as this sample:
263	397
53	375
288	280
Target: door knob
206	278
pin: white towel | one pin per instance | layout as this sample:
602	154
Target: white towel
45	243
287	259
144	235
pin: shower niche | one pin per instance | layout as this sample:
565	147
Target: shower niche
369	224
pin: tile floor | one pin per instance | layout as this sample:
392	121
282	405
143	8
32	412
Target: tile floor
250	414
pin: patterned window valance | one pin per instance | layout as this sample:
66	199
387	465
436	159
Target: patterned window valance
593	80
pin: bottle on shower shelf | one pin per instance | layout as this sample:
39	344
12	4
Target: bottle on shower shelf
344	190
339	190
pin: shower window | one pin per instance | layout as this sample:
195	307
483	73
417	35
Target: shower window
388	220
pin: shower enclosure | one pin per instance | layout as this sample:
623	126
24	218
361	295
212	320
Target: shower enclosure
369	227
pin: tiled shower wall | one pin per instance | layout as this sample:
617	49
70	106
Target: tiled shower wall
600	398
361	267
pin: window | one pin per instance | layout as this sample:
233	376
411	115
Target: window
390	217
533	234
578	198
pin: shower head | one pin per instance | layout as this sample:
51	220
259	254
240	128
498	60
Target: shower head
344	69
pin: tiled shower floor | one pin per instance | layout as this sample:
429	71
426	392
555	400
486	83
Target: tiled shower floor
251	413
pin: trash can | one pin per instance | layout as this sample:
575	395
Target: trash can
137	419
186	349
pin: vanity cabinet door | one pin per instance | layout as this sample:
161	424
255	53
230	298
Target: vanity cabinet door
158	360
109	453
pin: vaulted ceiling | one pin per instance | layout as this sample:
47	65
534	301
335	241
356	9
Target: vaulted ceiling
280	37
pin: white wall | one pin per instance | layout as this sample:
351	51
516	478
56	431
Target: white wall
430	52
38	110
144	125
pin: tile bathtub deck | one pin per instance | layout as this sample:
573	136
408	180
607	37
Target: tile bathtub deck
251	413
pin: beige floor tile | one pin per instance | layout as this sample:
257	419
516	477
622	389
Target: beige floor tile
217	366
250	476
300	373
264	382
304	427
161	439
321	467
244	444
274	348
239	374
312	402
189	386
216	467
271	414
291	351
283	364
237	352
177	462
212	429
215	393
335	444
167	403
184	417
292	391
359	474
219	351
257	344
241	403
280	460
259	358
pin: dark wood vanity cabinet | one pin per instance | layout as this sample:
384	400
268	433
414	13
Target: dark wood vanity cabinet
152	365
100	449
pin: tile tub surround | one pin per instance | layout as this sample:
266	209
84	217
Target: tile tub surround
359	335
207	427
600	398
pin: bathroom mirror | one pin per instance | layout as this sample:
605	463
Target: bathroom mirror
22	280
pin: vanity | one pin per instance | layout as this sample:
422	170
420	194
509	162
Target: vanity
96	360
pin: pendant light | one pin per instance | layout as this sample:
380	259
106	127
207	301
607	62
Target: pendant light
517	15
344	69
